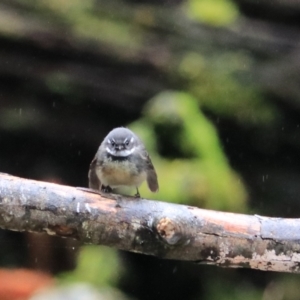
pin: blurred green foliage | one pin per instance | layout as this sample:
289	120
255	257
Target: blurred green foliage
59	83
219	82
13	119
217	12
97	265
200	174
219	79
183	143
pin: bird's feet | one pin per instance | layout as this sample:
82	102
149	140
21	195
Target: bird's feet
137	195
106	189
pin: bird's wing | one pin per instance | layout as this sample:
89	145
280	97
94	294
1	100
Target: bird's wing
94	181
151	173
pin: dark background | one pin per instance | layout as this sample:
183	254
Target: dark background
71	71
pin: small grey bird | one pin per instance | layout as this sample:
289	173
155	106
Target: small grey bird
122	160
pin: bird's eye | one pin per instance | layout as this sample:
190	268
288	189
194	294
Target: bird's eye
126	142
112	143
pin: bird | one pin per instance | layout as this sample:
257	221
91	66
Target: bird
122	160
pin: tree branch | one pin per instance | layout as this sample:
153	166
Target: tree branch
169	231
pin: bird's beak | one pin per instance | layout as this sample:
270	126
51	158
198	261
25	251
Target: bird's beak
120	147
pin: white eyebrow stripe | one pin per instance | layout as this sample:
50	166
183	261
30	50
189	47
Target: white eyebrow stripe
125	140
109	141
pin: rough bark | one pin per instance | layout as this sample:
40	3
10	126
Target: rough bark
166	230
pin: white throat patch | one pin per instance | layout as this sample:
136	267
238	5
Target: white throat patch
122	153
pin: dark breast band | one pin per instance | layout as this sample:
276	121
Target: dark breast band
117	158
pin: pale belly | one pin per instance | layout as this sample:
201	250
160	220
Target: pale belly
118	174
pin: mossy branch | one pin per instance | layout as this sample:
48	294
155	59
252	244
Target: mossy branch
169	231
